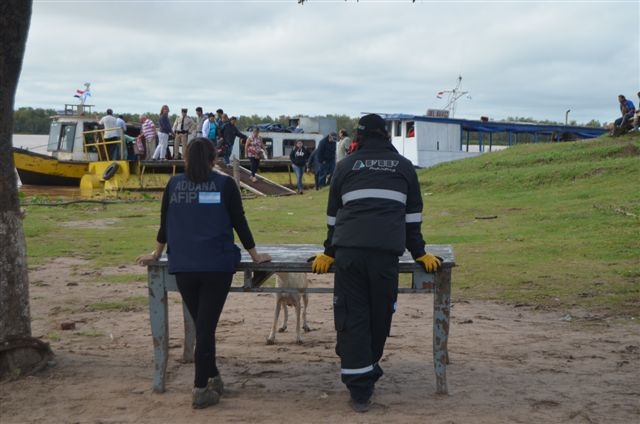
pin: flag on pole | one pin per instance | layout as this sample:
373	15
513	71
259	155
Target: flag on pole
440	94
83	94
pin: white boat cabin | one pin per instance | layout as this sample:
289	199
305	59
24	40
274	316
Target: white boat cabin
427	141
66	138
280	144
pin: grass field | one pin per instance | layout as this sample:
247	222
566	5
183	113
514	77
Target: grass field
552	225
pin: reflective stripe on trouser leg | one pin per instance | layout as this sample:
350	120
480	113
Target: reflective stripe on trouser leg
364	294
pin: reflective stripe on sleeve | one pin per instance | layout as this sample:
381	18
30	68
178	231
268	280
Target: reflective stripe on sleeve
413	217
331	220
374	193
352	371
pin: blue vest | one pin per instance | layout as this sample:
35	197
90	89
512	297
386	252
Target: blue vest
199	230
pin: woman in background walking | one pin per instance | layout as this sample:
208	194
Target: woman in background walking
299	156
254	150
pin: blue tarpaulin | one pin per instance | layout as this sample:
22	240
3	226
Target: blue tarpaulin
504	127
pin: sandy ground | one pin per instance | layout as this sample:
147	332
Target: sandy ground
509	364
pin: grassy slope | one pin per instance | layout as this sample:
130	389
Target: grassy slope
567	226
567	231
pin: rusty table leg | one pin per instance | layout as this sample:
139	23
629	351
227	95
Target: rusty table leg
441	315
158	312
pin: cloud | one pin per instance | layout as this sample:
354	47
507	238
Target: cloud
533	59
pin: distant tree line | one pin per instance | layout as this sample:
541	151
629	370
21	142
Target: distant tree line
36	121
28	120
592	124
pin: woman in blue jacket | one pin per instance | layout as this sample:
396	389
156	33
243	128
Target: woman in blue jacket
200	210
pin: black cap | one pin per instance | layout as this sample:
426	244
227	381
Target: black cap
372	123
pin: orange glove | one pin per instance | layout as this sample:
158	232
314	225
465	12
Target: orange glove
430	262
321	263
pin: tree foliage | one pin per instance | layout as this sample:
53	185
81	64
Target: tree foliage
28	120
36	121
592	123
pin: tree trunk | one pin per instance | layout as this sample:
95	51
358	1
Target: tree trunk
19	353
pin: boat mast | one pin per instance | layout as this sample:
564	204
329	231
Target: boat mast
454	95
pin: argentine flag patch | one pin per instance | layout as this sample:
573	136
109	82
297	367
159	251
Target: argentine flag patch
209	197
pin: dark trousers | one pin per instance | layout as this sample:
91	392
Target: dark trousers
205	293
113	149
620	122
227	153
255	163
365	296
325	172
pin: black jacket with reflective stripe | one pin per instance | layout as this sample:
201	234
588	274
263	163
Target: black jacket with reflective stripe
375	202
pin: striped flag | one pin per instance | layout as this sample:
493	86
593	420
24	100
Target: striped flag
82	94
440	94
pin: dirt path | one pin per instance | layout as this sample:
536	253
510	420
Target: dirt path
508	364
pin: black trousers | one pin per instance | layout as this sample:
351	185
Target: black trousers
204	294
365	296
255	164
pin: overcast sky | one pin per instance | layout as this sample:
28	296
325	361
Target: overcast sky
275	57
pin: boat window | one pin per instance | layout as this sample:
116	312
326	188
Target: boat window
54	137
90	136
268	146
61	136
287	146
397	128
410	129
68	135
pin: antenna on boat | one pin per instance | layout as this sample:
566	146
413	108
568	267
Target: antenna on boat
454	95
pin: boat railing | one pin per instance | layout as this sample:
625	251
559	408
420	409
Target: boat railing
77	109
94	140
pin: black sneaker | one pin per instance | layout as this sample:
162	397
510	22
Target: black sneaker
360	406
203	397
216	384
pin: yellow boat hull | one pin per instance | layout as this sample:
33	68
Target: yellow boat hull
38	169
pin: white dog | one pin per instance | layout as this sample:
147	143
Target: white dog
293	280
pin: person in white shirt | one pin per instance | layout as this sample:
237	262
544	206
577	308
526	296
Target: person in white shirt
111	133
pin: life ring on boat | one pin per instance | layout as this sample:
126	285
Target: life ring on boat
110	171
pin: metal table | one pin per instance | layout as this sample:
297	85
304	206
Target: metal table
293	258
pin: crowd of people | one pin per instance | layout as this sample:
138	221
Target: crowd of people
221	130
153	141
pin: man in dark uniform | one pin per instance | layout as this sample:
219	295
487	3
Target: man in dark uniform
229	132
326	158
374	212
